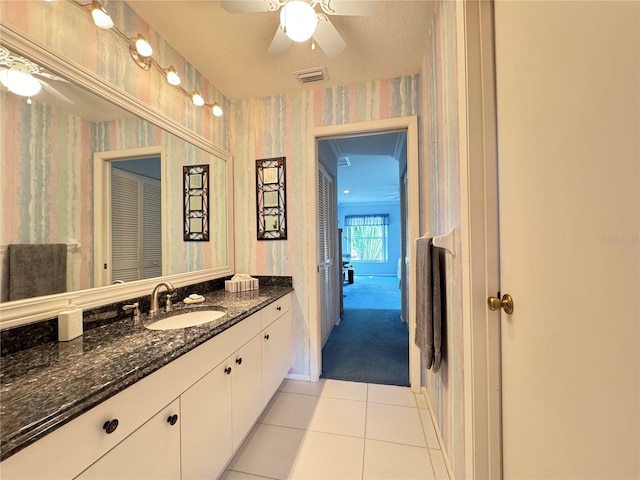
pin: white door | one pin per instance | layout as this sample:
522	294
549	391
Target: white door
568	108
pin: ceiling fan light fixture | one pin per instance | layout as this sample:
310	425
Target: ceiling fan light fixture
100	16
19	80
197	99
298	20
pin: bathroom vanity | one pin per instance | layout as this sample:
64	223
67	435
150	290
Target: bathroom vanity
125	401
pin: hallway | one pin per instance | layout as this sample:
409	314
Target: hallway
371	344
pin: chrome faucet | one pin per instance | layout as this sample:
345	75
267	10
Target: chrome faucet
154	297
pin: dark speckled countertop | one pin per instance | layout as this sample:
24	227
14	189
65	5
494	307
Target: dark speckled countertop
46	386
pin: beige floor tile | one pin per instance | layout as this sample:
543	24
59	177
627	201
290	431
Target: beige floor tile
345	390
429	429
290	410
342	417
232	475
392	395
269	451
392	461
439	466
329	457
393	423
302	387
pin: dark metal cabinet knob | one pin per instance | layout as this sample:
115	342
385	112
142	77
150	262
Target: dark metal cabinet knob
278	308
239	360
266	337
172	419
227	370
110	426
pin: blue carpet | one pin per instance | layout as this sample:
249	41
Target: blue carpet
370	344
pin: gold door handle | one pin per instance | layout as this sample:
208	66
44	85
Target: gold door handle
496	304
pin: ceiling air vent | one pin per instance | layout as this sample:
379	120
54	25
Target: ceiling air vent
343	161
313	75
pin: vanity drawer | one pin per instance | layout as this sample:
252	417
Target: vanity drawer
274	310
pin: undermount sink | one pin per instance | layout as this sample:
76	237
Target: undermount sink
188	319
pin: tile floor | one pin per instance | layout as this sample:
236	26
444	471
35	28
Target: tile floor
341	430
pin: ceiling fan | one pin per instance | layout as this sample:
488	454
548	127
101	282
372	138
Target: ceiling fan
26	78
299	20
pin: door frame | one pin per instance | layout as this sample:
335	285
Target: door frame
477	125
410	125
102	205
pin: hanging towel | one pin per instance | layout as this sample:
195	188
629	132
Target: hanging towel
429	307
37	269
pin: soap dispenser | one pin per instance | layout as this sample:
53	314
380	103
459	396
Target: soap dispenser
69	322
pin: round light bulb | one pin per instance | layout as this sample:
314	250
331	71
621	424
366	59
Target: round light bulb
172	76
20	81
217	110
299	20
197	99
100	17
143	47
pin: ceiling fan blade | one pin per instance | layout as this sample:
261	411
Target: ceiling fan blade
245	6
350	7
328	38
280	43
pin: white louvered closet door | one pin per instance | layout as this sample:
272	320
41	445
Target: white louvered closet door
328	288
136	240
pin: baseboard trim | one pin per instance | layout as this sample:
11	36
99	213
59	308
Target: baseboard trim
295	376
424	393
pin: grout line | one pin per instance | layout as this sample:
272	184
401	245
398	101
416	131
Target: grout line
364	439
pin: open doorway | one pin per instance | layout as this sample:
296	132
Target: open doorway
370	341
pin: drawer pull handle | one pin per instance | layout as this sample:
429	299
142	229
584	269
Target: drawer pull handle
278	308
227	370
110	426
266	337
239	360
173	419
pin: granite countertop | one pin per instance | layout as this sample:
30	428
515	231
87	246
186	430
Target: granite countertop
46	386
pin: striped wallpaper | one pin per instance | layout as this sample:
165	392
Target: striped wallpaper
441	212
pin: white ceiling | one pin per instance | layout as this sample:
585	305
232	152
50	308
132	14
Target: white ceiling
231	49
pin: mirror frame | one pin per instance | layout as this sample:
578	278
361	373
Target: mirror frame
22	312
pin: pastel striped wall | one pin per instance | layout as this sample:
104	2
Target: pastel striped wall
441	188
277	126
50	186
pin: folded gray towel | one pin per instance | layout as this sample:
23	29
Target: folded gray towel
428	336
36	270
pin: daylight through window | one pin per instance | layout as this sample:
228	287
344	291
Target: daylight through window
367	237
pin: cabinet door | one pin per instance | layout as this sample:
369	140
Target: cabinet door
151	452
246	381
276	355
206	424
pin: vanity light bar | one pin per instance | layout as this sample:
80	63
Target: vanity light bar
141	53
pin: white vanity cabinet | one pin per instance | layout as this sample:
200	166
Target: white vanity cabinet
276	346
152	452
206	425
216	391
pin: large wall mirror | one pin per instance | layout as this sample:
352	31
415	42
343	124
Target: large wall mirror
72	149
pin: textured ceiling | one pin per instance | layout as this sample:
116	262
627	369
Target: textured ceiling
231	49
